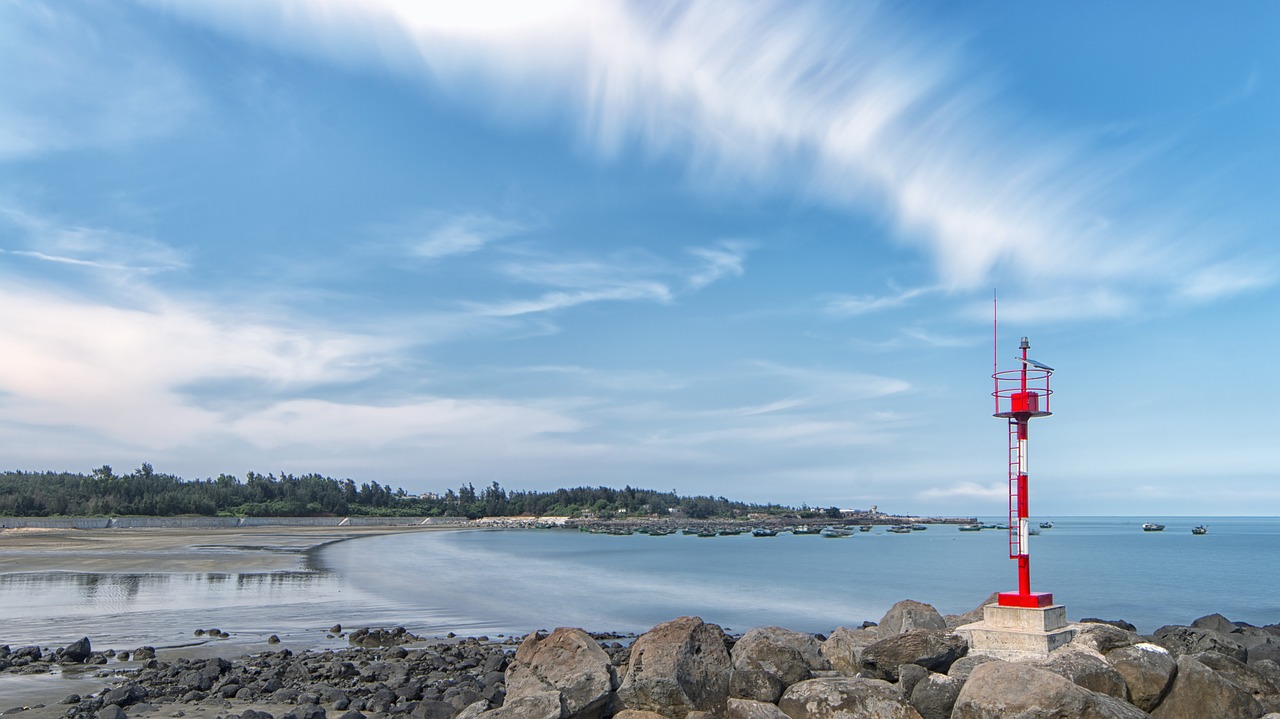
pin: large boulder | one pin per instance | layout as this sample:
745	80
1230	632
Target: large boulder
1268	669
1242	675
1088	669
1189	640
767	660
1215	623
78	651
567	661
845	698
1199	693
907	615
678	667
844	648
965	665
748	709
1264	650
935	695
1004	690
933	649
1103	638
1147	670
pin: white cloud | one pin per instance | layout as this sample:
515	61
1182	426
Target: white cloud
52	240
722	260
848	305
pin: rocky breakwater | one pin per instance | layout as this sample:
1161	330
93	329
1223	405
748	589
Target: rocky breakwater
910	665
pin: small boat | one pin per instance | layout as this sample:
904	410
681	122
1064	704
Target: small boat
865	528
835	533
919	527
970	527
1033	532
689	530
764	532
730	532
1001	526
1152	527
900	529
1199	529
804	529
1046	525
708	533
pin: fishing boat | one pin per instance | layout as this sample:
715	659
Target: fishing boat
971	528
1199	529
1046	525
865	528
764	532
708	533
835	533
900	529
804	529
730	532
919	527
1152	527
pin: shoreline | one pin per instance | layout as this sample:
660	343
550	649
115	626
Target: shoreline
232	550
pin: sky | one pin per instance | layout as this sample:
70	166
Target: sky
733	249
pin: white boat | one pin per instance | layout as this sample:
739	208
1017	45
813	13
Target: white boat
1152	527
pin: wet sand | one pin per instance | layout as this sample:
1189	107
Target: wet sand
241	549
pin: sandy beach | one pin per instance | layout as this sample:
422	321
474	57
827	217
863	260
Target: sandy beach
241	549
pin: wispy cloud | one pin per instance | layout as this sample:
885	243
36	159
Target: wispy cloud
725	259
855	107
89	92
848	305
98	248
458	235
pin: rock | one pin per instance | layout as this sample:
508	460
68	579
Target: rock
843	649
273	639
637	714
907	615
965	665
78	651
352	714
841	698
530	706
1265	650
112	711
567	661
1117	623
1268	669
70	699
1215	623
474	710
767	660
1238	673
909	675
1004	690
1199	693
1189	640
933	649
1147	670
748	709
678	667
935	695
124	696
973	615
1103	638
1086	668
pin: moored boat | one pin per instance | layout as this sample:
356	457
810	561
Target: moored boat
900	529
764	532
1046	525
835	532
804	529
1199	529
970	527
865	528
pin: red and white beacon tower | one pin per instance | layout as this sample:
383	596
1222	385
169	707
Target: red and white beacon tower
1021	394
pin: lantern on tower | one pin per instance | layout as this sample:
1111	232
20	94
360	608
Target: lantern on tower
1021	394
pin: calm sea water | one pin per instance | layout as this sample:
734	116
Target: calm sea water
511	582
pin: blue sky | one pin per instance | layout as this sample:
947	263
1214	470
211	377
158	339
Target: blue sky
734	249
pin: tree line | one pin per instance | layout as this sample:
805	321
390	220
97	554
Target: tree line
145	492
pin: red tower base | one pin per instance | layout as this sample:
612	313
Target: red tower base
1032	599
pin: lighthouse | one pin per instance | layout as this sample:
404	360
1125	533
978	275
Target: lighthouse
1020	624
1021	394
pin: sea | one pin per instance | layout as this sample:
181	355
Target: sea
510	582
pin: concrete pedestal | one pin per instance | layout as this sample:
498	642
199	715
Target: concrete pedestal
1018	632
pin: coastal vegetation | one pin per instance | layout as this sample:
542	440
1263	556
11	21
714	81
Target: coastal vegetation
145	492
